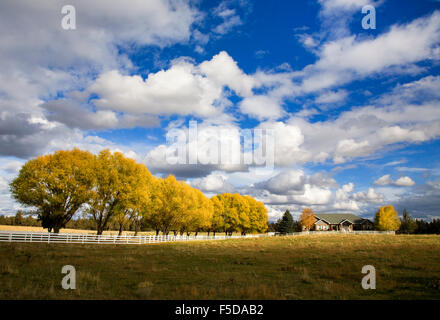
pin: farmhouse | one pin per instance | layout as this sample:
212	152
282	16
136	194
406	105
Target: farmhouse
347	222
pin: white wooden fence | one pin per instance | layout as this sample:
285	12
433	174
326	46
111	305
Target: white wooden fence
46	237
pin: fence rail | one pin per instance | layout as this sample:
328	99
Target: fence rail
45	237
105	239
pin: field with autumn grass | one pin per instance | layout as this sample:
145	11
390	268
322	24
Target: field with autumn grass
81	231
297	267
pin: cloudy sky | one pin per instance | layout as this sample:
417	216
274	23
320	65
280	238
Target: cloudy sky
355	112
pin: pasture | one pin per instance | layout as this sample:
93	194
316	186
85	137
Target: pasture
305	267
82	231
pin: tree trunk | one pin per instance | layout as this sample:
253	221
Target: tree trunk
120	230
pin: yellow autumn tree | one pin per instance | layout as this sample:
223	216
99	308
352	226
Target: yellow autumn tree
177	207
217	221
138	202
258	217
157	201
386	219
168	204
121	218
117	182
197	211
237	213
307	219
234	209
57	185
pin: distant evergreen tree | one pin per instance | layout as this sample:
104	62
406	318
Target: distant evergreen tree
19	219
286	224
422	226
272	226
297	226
434	226
408	224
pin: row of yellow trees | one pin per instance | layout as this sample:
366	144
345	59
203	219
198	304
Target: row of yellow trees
110	187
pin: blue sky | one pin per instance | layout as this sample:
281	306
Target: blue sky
355	112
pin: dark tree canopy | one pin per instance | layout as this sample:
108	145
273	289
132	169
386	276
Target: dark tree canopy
286	224
408	224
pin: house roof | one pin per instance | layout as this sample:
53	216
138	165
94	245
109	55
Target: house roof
336	218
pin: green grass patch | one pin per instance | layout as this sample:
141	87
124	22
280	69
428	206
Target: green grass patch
301	267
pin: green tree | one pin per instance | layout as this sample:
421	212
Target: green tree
286	224
407	223
386	219
57	185
19	219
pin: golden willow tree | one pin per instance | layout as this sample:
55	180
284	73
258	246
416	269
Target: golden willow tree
135	200
198	211
177	207
119	185
57	185
386	219
237	213
258	216
111	188
217	221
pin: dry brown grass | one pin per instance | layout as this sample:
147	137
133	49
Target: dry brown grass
305	267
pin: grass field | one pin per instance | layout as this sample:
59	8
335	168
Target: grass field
301	267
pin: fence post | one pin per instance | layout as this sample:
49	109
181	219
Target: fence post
48	238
